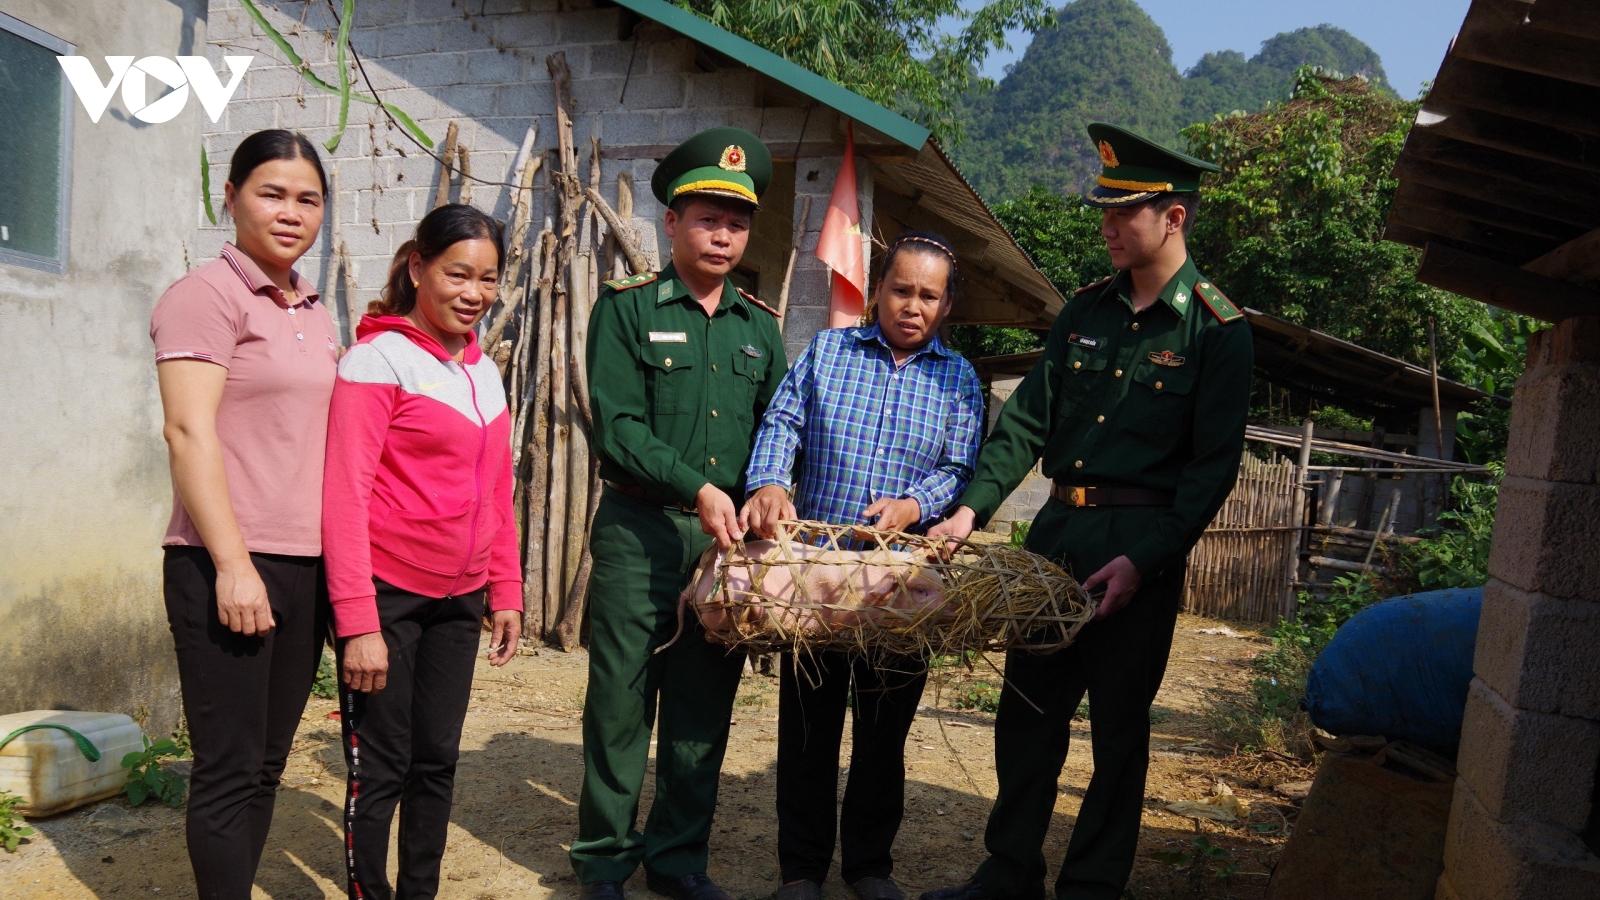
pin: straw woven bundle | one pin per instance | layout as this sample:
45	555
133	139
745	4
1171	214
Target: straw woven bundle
838	587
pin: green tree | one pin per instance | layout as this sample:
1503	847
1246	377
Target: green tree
1062	237
913	56
1294	225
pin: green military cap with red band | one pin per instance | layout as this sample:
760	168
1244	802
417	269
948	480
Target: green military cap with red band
1135	169
721	162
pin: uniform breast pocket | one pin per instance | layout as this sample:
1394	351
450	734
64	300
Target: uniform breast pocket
748	371
1081	368
669	378
1159	400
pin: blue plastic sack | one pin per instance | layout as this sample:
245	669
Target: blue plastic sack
1400	668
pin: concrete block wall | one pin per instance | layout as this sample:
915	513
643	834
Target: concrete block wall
1525	822
481	64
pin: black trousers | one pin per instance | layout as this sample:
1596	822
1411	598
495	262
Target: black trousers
1119	661
243	697
812	699
401	743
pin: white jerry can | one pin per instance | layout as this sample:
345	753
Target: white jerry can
47	767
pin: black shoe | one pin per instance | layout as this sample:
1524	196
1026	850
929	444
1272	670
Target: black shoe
973	889
805	889
698	886
602	890
874	888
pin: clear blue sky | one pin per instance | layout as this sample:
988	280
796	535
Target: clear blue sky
1410	35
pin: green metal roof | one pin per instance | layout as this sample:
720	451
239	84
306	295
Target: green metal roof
774	66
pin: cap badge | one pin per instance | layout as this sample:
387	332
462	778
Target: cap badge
1108	155
732	158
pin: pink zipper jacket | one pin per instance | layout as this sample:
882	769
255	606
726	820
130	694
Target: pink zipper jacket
418	484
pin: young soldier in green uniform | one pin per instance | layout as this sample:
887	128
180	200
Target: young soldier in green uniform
1137	408
681	366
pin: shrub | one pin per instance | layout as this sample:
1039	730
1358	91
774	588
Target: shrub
981	696
12	834
326	687
146	778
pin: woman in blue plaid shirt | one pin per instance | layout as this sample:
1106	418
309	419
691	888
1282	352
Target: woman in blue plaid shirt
885	422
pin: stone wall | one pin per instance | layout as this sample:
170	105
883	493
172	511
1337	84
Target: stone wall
483	65
1525	823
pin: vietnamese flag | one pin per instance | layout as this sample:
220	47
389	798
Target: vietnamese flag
839	245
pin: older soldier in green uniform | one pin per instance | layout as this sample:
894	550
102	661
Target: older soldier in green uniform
1137	408
681	366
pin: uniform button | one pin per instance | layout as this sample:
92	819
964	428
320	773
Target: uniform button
667	362
1158	385
713	365
713	414
1136	326
1119	373
1078	464
1099	418
713	460
1077	365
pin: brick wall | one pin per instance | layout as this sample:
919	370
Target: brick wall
482	65
1525	822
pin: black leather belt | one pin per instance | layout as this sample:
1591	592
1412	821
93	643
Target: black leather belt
1074	495
639	493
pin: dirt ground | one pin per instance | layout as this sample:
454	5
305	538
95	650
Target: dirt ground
517	787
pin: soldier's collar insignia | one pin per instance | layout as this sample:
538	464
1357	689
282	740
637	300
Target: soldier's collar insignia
1108	155
1180	298
1166	358
732	158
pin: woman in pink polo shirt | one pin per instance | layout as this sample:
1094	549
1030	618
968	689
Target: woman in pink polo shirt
246	360
421	542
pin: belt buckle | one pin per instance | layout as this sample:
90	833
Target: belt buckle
1077	496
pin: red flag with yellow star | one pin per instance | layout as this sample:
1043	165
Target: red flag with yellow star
839	245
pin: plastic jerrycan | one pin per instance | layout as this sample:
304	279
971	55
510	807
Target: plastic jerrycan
49	767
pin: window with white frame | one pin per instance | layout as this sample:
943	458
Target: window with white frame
35	147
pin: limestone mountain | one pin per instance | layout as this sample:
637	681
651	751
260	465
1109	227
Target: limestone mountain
1108	60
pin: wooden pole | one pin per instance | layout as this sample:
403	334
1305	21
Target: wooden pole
521	210
796	238
441	194
620	231
1297	517
464	194
560	429
1383	526
535	624
583	282
625	214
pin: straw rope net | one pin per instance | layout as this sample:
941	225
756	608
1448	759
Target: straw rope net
840	587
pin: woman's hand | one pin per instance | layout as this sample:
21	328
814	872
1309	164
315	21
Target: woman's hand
894	515
366	662
765	509
503	636
242	603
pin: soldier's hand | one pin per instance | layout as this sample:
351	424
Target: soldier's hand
958	527
888	514
1122	582
764	510
718	518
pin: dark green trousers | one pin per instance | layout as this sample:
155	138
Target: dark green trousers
643	556
1119	662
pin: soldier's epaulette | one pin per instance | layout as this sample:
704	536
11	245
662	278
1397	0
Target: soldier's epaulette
1089	287
1218	303
752	298
623	284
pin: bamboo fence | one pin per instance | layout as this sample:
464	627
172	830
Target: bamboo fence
1244	564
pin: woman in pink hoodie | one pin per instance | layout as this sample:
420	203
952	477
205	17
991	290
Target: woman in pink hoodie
420	542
